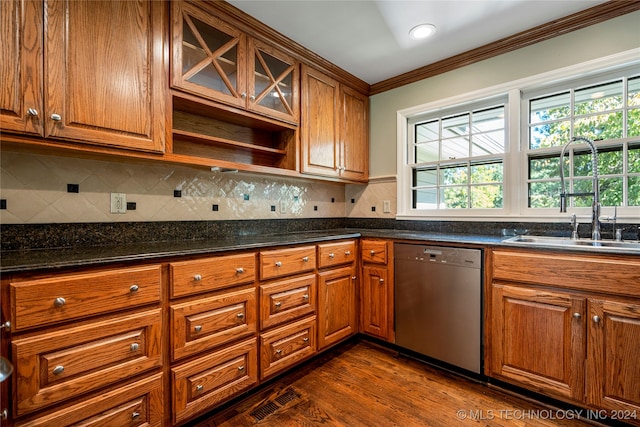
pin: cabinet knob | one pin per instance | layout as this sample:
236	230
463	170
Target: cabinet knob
4	415
381	280
240	368
278	264
239	270
347	253
134	288
199	388
32	112
240	315
278	351
277	304
243	95
135	415
135	346
59	302
577	315
56	117
596	319
197	328
332	255
305	259
372	252
197	277
58	370
305	296
6	326
354	277
252	98
305	339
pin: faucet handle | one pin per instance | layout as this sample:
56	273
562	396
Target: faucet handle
574	227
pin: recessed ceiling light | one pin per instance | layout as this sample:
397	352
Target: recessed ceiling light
422	31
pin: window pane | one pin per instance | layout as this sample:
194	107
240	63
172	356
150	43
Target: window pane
427	131
427	152
634	191
609	162
425	178
550	135
454	175
425	199
456	148
545	167
488	120
454	198
594	99
455	126
610	191
544	194
487	143
633	122
634	159
490	172
486	196
582	186
633	91
551	107
603	126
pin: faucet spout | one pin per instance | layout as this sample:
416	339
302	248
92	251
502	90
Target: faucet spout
595	206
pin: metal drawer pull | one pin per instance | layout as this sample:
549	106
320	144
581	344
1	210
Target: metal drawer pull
56	117
354	277
4	414
278	264
347	253
134	288
277	304
332	255
135	346
305	339
135	415
6	326
58	370
59	302
240	315
278	351
381	280
372	252
199	388
32	112
239	270
240	368
305	259
577	315
596	319
197	277
197	328
305	296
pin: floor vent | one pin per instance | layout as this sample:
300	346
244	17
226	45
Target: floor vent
263	411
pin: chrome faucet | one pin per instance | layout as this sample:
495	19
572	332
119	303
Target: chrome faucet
595	206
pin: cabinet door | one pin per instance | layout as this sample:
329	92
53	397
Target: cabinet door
538	340
21	78
209	56
354	162
273	82
105	75
613	372
320	123
336	305
375	301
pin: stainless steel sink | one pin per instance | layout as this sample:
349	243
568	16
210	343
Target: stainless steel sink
630	246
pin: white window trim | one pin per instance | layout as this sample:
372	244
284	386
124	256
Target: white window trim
514	178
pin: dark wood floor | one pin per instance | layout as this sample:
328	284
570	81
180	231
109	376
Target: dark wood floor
362	384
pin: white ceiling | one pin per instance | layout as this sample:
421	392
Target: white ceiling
370	39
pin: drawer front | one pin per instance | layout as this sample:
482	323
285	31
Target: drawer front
192	277
286	346
60	365
287	300
205	323
205	382
374	251
66	297
282	262
137	404
330	254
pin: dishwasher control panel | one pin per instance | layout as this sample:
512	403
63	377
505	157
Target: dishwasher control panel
439	254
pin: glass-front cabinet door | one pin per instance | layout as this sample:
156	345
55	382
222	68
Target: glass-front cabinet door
208	56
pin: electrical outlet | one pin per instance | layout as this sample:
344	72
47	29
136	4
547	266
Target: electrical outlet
386	206
118	203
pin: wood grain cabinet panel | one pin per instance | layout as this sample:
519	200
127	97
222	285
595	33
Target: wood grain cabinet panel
56	366
287	300
284	262
210	322
65	297
374	308
133	405
331	254
209	274
374	251
336	305
286	346
207	381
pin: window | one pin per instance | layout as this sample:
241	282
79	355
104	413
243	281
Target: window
605	109
457	158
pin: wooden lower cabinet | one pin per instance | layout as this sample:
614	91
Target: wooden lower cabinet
374	297
336	305
211	379
284	347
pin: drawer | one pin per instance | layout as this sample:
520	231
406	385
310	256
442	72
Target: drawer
283	262
205	382
374	251
209	322
66	297
203	275
330	254
287	300
286	346
137	404
67	363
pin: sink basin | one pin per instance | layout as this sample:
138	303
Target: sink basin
632	246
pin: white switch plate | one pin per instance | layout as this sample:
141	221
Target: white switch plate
283	207
386	206
118	203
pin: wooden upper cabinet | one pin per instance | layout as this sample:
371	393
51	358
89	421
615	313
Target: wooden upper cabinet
335	125
215	60
91	72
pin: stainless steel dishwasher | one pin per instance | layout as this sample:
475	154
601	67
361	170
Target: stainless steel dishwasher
438	298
